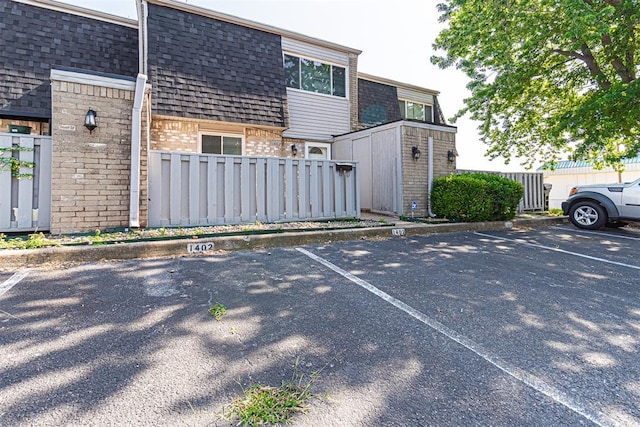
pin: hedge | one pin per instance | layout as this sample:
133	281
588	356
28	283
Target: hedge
475	197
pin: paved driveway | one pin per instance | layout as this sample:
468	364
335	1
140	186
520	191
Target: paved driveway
499	328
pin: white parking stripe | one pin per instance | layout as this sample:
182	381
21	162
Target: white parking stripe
12	281
549	248
597	233
513	371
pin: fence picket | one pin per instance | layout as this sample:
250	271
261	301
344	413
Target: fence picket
245	189
25	187
25	203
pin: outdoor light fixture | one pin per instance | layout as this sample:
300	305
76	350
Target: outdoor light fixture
90	120
294	149
451	156
415	152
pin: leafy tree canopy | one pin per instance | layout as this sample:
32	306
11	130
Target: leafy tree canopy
548	77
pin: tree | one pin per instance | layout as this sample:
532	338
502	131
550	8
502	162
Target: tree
548	77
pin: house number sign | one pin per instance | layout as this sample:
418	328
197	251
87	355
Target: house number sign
199	247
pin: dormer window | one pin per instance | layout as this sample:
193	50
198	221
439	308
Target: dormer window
416	111
315	76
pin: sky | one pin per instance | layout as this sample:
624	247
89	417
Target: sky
395	37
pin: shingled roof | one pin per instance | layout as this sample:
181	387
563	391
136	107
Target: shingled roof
35	39
377	103
205	68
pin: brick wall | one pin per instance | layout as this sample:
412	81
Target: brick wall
414	172
145	139
170	134
174	135
91	172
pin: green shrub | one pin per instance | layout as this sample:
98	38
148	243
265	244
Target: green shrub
476	197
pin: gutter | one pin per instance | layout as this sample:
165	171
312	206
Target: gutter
136	130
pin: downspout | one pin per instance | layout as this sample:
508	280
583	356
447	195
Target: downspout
136	131
430	174
142	9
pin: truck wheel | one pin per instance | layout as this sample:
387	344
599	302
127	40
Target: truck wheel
587	214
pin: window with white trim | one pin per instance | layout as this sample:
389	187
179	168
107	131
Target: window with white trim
317	151
315	76
415	110
229	145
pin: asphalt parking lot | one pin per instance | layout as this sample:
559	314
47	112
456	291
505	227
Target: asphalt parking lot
536	327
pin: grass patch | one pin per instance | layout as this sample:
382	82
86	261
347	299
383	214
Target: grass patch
261	404
33	241
555	212
218	310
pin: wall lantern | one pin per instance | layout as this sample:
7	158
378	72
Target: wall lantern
415	153
294	150
90	120
451	156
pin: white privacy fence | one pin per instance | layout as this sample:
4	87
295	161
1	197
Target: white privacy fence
533	182
196	189
25	203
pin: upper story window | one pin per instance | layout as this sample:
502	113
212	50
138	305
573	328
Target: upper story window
416	111
221	144
315	76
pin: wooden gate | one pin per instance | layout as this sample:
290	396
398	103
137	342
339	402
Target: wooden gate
25	194
188	189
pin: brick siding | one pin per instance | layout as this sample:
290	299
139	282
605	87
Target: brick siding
169	134
91	172
414	172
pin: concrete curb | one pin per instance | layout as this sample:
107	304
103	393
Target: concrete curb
30	258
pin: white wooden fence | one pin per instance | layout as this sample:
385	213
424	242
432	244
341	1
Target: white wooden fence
25	204
196	189
533	182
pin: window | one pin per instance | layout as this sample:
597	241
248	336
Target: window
416	111
315	76
317	151
221	144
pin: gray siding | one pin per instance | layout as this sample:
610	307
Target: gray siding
314	116
312	51
34	39
414	95
208	69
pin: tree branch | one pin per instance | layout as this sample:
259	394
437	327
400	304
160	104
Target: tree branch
587	57
594	68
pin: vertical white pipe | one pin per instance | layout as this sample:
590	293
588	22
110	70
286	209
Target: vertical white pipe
142	9
136	130
430	174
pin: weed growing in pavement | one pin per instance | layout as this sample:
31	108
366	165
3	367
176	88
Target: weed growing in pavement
261	404
555	212
218	310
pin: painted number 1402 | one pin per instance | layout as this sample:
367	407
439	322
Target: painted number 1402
199	247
